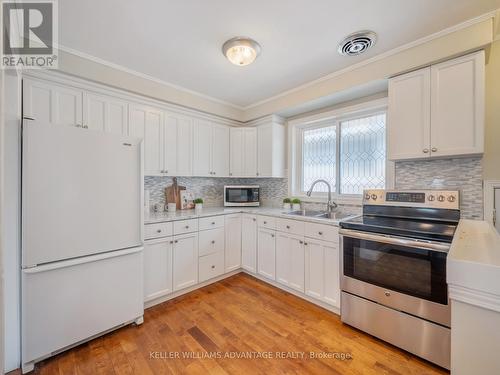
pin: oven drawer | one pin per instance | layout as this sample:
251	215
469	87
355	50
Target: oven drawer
420	337
322	232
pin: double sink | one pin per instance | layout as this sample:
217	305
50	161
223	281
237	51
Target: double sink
335	215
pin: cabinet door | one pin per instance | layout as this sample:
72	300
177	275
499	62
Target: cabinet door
233	242
147	123
67	106
265	151
202	148
290	260
105	113
170	144
250	152
237	152
322	271
266	253
457	116
283	258
157	268
220	151
249	242
184	146
408	116
49	103
185	261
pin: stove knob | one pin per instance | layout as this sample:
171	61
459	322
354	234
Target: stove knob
431	198
374	197
367	196
441	198
452	199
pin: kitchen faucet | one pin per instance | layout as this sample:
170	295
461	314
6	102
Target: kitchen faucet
330	205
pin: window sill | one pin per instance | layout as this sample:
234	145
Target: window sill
346	200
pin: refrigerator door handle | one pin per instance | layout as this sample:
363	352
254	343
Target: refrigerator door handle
82	260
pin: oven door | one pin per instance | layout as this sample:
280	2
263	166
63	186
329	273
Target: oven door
402	273
241	195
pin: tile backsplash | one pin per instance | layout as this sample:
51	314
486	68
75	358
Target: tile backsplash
463	174
272	190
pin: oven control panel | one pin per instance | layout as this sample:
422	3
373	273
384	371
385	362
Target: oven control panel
413	198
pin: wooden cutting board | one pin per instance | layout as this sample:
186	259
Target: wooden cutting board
172	193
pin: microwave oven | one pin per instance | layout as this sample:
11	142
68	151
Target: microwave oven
241	195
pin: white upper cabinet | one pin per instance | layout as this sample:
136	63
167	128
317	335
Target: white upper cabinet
243	146
271	150
178	135
457	102
147	123
105	113
409	115
437	111
49	103
210	149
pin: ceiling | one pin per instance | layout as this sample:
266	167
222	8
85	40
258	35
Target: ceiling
179	41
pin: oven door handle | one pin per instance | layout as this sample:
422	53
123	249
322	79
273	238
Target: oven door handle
428	245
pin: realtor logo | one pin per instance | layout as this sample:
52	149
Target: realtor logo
29	34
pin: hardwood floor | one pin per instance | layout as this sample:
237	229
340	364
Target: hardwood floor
237	315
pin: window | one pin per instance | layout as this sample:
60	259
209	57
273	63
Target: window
348	151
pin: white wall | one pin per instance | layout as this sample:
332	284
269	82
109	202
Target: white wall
11	217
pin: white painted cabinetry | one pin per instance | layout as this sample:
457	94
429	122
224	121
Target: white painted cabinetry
271	150
185	260
233	242
437	111
290	260
322	271
210	149
266	253
178	145
243	147
157	268
249	242
48	103
105	113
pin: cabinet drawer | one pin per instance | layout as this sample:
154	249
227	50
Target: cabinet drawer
211	222
211	241
290	226
157	230
266	222
185	226
322	232
211	266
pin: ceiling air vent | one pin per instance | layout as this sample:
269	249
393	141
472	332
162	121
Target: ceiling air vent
357	43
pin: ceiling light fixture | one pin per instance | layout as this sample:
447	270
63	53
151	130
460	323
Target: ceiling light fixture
241	51
357	43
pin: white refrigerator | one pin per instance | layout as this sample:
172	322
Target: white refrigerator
82	272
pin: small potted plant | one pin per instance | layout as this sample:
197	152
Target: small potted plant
296	204
287	204
198	204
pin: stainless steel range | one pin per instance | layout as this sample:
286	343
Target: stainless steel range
393	261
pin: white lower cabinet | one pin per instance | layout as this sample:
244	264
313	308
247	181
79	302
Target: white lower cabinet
249	242
322	279
185	260
290	260
157	268
211	266
233	242
266	253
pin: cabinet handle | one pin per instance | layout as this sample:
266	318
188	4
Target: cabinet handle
301	242
187	226
158	231
28	118
272	235
305	243
320	233
434	149
254	219
166	171
85	126
176	241
213	267
288	227
213	242
213	222
171	242
265	222
425	150
257	174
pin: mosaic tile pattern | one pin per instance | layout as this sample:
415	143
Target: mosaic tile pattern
463	174
272	190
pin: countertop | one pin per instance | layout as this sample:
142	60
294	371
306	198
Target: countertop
214	211
473	265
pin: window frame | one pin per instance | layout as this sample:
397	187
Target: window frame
335	117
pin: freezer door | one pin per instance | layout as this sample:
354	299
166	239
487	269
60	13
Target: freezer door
81	193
